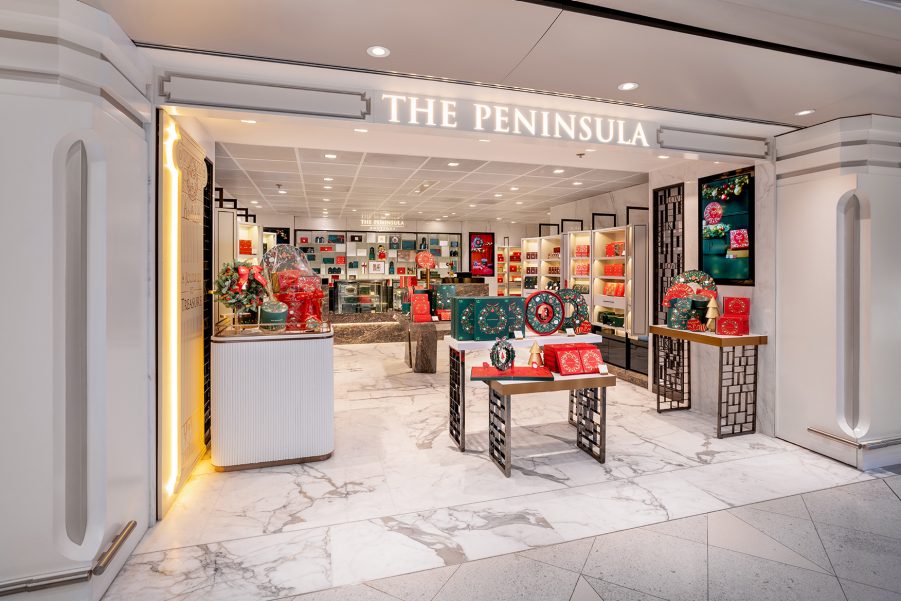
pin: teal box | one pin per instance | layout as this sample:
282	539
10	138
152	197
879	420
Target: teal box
498	316
444	293
461	317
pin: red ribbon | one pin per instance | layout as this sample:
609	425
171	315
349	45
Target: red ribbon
244	273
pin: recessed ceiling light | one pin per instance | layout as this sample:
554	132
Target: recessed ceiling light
361	130
386	214
444	216
498	218
716	162
326	187
280	191
484	140
403	202
512	222
472	206
513	188
805	112
559	171
331	156
548	212
627	86
326	200
577	183
591	150
519	202
378	51
354	210
437	218
328	179
248	121
662	156
254	202
420	212
453	213
453	164
498	195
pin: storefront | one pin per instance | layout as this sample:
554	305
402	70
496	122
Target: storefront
381	185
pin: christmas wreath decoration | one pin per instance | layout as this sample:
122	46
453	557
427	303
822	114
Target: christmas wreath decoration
579	308
466	321
502	354
240	285
493	319
696	276
732	185
544	312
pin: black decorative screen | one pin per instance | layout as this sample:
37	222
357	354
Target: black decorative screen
669	242
208	302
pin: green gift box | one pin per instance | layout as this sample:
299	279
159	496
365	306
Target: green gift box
715	246
408	244
444	293
328	260
676	320
498	316
461	317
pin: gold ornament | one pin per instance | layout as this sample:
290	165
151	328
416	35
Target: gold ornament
713	311
535	359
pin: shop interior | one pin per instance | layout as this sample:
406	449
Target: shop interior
391	492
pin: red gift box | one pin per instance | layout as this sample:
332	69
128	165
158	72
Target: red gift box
732	325
326	249
341	260
582	250
620	289
736	305
572	359
516	256
420	305
617	269
245	247
514	268
304	240
444	314
695	325
738	239
610	250
401	270
500	257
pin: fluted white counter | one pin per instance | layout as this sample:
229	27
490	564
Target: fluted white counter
272	400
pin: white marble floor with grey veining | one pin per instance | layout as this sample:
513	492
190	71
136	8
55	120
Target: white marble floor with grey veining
397	497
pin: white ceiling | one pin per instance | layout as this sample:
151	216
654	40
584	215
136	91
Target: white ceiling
543	48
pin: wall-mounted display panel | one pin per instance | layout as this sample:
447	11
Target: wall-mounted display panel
726	221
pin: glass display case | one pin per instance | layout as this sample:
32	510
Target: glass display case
362	296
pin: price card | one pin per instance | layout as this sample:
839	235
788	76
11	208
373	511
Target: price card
602	369
518	335
570	332
434	318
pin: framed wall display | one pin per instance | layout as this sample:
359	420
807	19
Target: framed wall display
481	253
726	222
637	215
548	229
377	267
571	225
600	221
282	234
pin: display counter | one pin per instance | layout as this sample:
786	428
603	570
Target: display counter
272	398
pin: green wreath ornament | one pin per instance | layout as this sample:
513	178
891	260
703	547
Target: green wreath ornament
240	285
502	354
579	308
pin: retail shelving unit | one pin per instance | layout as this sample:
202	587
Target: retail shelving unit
624	311
253	233
322	249
551	263
577	269
531	252
509	271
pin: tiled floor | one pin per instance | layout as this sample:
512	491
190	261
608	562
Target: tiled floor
398	498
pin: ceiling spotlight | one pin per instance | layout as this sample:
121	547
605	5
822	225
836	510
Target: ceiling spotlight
484	140
512	222
248	121
513	188
386	214
326	187
361	130
519	202
354	210
472	206
420	212
378	51
498	218
403	202
331	156
559	171
577	183
805	112
328	179
498	195
716	162
326	200
444	216
280	191
662	156
437	218
627	86
591	150
453	213
453	164
254	202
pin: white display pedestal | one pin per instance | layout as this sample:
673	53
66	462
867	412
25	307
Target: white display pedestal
272	400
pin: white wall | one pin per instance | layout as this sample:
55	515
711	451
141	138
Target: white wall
609	202
704	359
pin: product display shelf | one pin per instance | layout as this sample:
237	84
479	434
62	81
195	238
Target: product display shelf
509	272
253	234
551	266
578	248
322	249
442	245
623	312
531	247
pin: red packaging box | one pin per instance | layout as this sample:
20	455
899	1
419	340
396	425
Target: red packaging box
620	289
732	325
738	239
444	314
401	270
514	268
516	256
500	257
304	240
736	305
610	250
572	359
419	304
341	260
614	269
326	249
582	250
695	325
245	247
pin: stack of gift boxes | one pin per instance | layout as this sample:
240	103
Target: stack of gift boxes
582	251
572	359
486	317
734	319
616	269
581	268
614	289
615	249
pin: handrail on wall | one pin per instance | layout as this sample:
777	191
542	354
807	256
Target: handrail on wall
28	585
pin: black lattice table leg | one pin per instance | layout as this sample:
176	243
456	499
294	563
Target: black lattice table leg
499	425
672	373
737	406
573	415
591	426
457	395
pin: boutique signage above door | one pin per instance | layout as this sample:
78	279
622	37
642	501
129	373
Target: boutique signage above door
501	118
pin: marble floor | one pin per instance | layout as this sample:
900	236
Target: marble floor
397	497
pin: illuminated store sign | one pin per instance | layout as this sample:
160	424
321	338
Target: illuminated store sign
495	118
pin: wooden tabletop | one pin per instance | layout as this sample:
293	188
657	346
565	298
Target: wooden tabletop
508	387
710	338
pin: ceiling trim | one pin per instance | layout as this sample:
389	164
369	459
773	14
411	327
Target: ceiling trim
493	86
603	12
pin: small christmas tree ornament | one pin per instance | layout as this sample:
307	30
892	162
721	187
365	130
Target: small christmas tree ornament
502	354
535	359
713	311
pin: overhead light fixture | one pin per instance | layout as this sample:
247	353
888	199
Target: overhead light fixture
513	188
444	216
326	200
403	202
498	195
662	156
248	121
437	218
498	218
591	150
328	179
716	162
484	140
559	171
420	212
577	183
280	191
472	206
378	51
627	86
512	222
354	210
453	164
331	156
519	202
254	202
453	213
805	112
361	130
386	214
326	187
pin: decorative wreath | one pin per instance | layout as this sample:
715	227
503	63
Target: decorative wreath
492	319
579	308
695	276
240	285
544	312
515	316
725	187
466	321
502	354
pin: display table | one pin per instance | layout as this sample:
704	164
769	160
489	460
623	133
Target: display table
737	401
272	399
422	343
457	375
588	392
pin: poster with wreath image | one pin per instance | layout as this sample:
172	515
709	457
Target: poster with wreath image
726	217
481	253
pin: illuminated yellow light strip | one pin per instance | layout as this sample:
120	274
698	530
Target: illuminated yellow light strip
171	313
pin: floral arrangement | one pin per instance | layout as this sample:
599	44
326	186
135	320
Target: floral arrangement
718	230
240	285
733	186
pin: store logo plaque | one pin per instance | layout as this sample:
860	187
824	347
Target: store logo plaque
499	118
